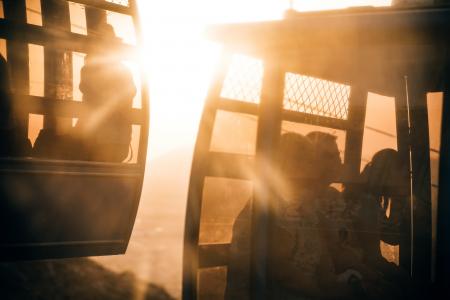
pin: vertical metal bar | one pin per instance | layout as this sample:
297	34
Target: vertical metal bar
57	63
443	214
199	165
269	128
421	182
145	105
403	146
355	131
145	109
18	61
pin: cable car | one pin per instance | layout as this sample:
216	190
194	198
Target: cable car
74	107
374	79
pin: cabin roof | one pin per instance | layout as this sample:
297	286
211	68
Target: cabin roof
382	44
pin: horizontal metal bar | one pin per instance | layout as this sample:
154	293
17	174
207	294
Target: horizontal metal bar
230	165
60	39
300	117
102	4
238	106
60	250
68	173
213	255
63	108
68	243
49	166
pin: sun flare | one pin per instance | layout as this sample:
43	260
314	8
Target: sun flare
180	61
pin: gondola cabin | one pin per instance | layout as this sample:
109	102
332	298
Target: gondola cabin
73	127
321	164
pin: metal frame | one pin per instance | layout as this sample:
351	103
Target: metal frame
276	42
19	34
443	221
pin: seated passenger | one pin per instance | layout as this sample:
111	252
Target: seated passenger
12	143
337	225
108	91
104	132
300	262
383	186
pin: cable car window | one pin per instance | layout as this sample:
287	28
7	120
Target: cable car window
34	15
316	96
223	200
77	64
243	80
434	106
3	48
224	238
234	133
77	18
36	69
35	124
123	27
380	133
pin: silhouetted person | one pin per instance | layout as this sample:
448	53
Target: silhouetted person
300	263
12	143
336	223
381	190
104	132
303	267
108	91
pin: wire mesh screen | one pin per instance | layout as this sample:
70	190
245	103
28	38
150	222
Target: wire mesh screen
316	96
244	79
119	2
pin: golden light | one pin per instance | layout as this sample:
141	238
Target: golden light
180	61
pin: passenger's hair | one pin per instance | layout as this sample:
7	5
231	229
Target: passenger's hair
328	164
294	151
321	138
377	172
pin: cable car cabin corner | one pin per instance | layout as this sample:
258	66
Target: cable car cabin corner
73	127
320	168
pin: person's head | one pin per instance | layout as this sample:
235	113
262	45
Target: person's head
384	174
294	156
327	161
107	31
293	165
104	32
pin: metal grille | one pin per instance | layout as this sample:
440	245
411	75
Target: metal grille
120	2
244	79
316	96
